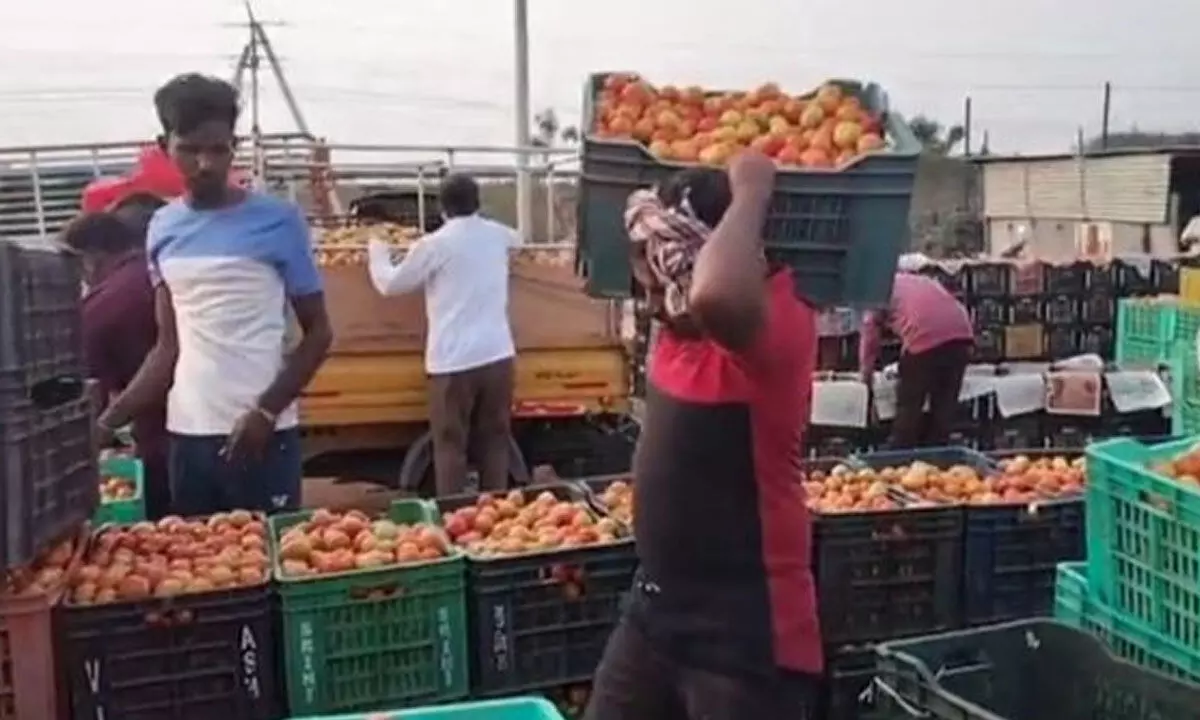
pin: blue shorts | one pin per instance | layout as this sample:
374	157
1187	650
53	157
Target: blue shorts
203	482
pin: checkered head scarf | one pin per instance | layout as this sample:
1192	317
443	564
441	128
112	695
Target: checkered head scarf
667	226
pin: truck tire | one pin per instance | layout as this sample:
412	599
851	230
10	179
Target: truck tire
416	474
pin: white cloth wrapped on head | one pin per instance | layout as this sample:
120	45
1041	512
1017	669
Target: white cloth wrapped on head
912	262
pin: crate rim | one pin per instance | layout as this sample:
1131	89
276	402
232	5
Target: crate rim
455	556
451	711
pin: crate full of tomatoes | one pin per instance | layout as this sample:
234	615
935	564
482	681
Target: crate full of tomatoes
547	574
373	609
171	619
847	164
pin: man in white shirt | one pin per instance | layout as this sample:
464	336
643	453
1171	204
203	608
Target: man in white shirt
463	270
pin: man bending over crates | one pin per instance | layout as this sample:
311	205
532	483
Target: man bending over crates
225	263
720	625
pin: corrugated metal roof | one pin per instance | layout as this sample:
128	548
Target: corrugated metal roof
1118	187
1176	151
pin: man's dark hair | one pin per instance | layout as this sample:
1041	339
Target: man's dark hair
187	101
459	196
100	233
706	190
137	209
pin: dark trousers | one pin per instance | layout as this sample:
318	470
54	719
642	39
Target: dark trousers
157	491
636	682
935	375
471	411
203	482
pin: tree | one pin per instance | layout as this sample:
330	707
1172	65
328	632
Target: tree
935	137
547	130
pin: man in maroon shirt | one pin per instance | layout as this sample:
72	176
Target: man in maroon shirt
119	329
722	621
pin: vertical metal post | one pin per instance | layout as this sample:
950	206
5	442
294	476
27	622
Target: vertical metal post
1107	114
967	126
35	177
521	98
548	179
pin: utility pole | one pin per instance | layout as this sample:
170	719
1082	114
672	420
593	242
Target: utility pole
967	126
1105	117
521	98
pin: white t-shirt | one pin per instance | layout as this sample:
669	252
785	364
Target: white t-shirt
463	268
231	272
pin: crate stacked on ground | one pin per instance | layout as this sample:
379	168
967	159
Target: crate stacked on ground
839	222
28	663
1185	373
883	569
1033	669
1150	329
373	610
48	474
1143	535
171	620
546	574
1075	604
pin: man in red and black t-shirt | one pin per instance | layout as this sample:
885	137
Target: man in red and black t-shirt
722	623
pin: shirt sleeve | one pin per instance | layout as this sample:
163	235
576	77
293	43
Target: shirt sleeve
96	360
418	265
295	258
153	240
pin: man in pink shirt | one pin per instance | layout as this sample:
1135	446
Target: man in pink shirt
936	337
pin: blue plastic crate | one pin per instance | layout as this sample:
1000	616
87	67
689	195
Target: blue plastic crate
840	231
941	457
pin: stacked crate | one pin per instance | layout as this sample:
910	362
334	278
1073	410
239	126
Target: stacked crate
1140	587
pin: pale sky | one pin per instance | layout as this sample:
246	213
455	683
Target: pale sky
391	71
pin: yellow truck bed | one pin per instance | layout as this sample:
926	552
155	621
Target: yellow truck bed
570	356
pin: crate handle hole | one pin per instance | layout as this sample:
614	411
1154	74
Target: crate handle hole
56	391
377	592
1157	502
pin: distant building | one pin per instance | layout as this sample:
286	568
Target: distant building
1132	201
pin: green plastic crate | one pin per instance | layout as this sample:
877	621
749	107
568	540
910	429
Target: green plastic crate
123	512
1185	391
384	637
1143	537
1128	639
508	709
1145	330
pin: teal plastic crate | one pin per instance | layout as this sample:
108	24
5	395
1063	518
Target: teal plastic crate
524	708
1143	537
123	512
380	637
1128	639
1146	330
1185	391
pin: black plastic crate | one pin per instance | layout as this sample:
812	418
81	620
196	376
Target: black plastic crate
49	479
1134	277
988	279
1066	432
41	335
1144	423
1097	338
543	619
822	441
888	573
580	447
1102	278
989	345
1098	309
840	230
210	655
1164	276
1022	431
1024	309
1026	670
1061	310
1062	342
1011	554
849	676
1066	279
954	278
987	311
1026	279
